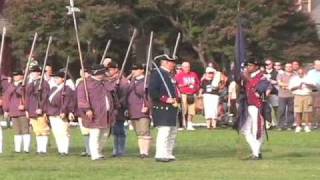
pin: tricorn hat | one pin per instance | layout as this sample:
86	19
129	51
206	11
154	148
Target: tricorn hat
35	68
17	72
138	66
165	57
98	69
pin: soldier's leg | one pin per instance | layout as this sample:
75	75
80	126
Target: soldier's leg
85	134
1	140
18	135
172	141
247	131
94	135
56	130
25	130
162	142
256	145
104	135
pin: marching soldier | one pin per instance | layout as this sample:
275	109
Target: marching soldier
16	111
96	109
35	101
139	109
4	83
59	106
164	112
84	131
118	130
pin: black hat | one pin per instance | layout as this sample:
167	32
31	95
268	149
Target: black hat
35	68
17	72
165	57
252	62
138	66
98	69
59	73
113	65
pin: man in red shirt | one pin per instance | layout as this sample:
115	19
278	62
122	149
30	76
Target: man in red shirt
188	84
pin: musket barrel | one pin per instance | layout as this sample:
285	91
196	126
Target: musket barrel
105	51
128	52
26	72
176	45
45	62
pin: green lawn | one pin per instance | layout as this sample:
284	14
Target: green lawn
200	155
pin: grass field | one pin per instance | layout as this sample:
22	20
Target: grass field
201	154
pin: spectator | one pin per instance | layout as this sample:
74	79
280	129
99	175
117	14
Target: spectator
285	108
210	92
271	75
301	88
188	84
314	76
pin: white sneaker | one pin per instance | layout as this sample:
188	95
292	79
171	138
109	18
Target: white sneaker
180	129
190	128
307	129
298	129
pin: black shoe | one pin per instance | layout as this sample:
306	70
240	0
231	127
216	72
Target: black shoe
143	156
63	154
84	154
162	160
260	156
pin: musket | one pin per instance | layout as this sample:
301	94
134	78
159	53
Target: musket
127	55
1	54
105	51
43	72
72	10
149	56
174	54
26	71
63	94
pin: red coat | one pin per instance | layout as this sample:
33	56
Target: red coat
251	90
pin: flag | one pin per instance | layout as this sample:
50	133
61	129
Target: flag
240	59
240	51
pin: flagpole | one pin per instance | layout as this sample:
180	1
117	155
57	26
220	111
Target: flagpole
79	48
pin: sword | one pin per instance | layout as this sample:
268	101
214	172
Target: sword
164	82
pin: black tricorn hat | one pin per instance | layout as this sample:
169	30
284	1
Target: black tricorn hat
17	72
165	57
35	68
59	73
98	69
253	62
138	66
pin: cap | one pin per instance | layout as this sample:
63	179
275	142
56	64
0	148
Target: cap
210	70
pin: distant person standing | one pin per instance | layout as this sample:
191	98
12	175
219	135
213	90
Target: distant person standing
301	88
210	92
271	75
285	108
277	67
188	84
314	76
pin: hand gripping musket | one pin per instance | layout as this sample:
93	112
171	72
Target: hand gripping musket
26	71
1	54
43	72
63	94
105	51
149	56
174	54
72	10
127	56
164	83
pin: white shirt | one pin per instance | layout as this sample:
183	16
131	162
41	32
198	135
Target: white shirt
296	81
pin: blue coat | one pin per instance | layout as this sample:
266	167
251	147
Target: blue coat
163	114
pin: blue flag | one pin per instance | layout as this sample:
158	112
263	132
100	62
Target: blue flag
240	59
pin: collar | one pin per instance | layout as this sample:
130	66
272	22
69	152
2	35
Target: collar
269	71
166	69
139	77
96	78
254	74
